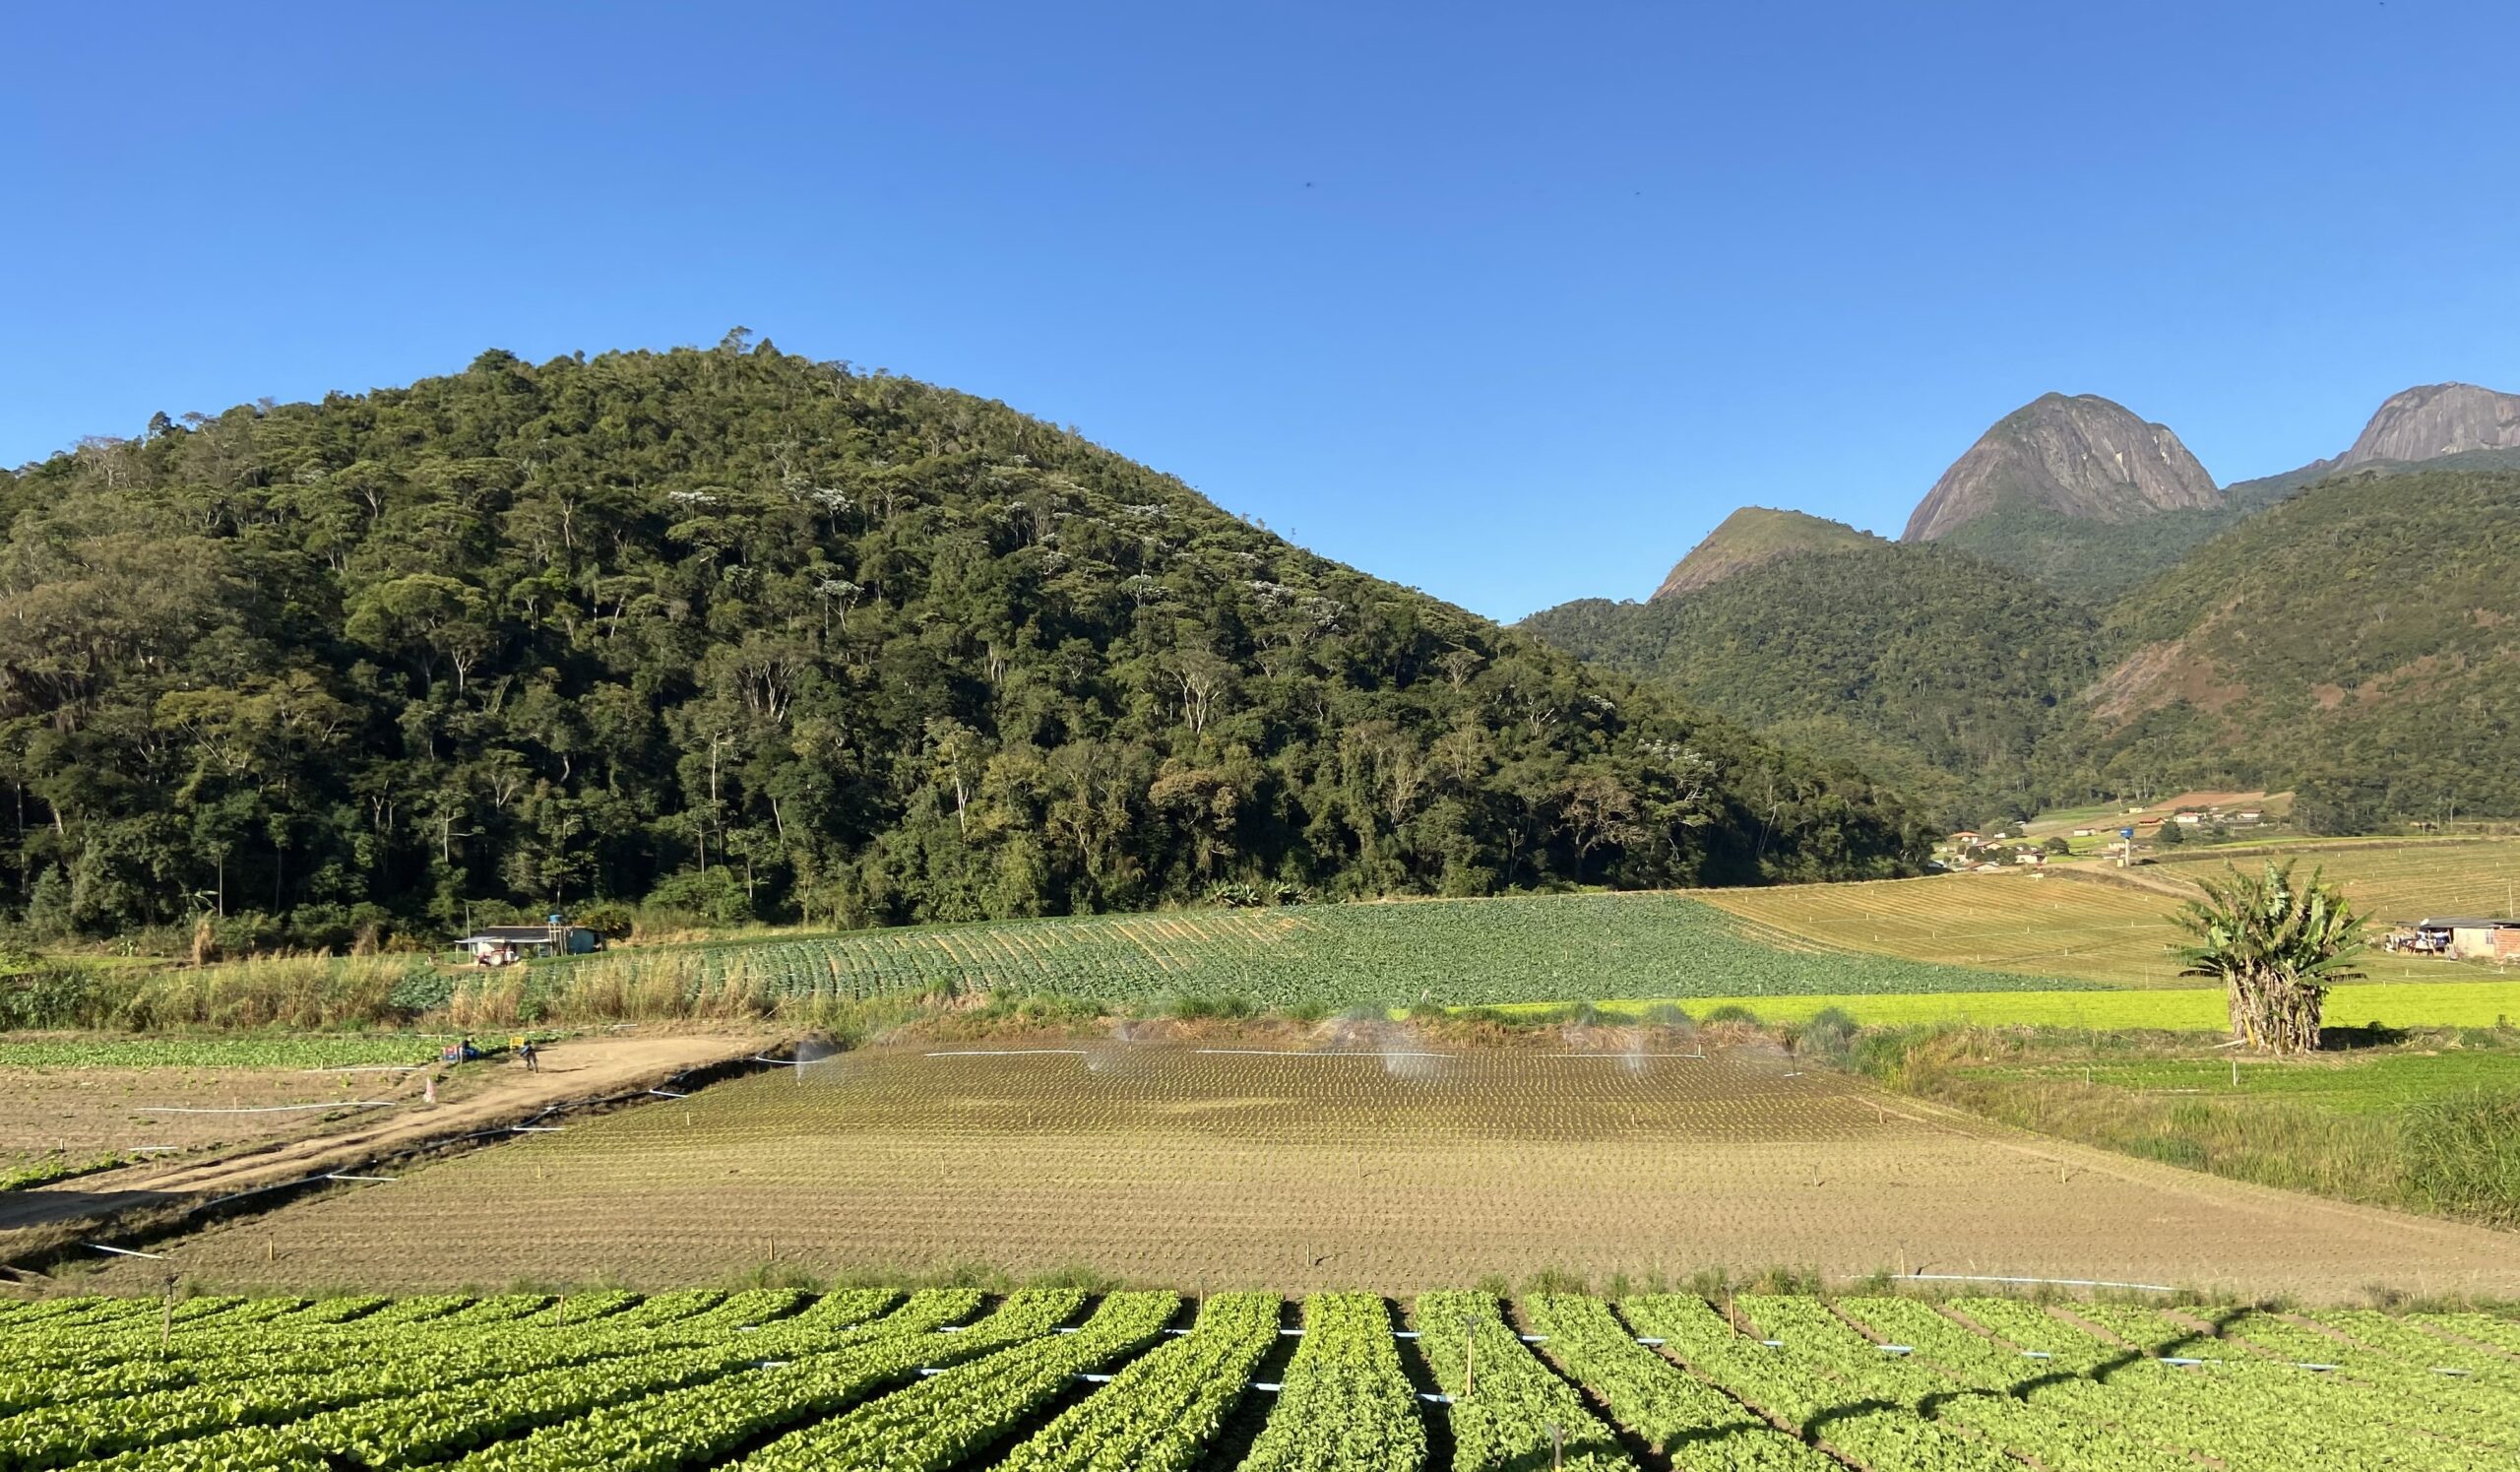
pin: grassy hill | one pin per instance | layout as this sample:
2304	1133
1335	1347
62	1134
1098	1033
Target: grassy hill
1751	538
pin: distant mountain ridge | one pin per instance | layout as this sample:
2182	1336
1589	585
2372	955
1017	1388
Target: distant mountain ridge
1754	537
2294	628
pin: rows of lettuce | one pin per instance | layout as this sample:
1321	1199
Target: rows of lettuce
1054	1378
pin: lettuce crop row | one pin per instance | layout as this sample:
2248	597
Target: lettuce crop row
1345	1405
932	1425
1676	1413
1157	1415
1508	1410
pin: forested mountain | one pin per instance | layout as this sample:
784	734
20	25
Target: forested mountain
2357	641
767	636
2361	639
1751	538
1931	669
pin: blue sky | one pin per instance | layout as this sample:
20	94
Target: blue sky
1511	303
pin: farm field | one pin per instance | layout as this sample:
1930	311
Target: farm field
1445	953
1051	1378
2185	1009
2391	881
1388	1165
2110	934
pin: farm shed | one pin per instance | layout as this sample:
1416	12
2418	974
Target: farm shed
499	945
2476	939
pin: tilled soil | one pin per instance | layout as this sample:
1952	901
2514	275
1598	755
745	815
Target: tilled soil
1396	1170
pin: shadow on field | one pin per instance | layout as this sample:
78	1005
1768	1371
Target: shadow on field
42	1208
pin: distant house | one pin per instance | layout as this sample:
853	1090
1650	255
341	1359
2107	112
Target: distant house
2085	832
2190	819
2029	855
1966	838
502	945
2476	939
2248	815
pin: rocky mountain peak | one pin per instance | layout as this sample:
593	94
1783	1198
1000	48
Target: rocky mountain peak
2436	419
2080	456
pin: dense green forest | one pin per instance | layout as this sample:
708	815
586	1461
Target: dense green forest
758	636
1935	670
2358	640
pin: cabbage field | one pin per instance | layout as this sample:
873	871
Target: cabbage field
1447	952
1054	1378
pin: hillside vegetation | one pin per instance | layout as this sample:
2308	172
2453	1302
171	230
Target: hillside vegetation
2357	641
1938	672
2354	641
754	635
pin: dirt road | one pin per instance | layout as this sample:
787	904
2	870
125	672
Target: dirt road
499	1095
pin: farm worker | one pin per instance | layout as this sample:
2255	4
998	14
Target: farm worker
429	1088
525	1051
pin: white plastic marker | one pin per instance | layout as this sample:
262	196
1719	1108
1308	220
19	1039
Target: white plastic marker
128	1253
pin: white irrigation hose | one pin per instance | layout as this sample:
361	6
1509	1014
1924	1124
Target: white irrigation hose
275	1109
998	1052
2059	1282
1315	1053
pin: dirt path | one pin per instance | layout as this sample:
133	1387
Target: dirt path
504	1094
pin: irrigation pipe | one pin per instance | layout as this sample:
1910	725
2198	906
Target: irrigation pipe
128	1253
2059	1282
369	1069
1297	1052
277	1108
1001	1052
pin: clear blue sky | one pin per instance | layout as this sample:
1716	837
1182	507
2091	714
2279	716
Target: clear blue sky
1509	304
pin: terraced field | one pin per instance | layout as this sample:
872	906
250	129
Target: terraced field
1383	1162
1050	1378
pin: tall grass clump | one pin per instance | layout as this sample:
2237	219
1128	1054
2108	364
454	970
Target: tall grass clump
293	990
2462	1154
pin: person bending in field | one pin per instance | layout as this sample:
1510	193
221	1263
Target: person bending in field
532	1055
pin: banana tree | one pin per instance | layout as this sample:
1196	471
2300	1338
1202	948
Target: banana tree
2277	949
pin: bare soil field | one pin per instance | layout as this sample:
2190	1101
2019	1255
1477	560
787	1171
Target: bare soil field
1401	1168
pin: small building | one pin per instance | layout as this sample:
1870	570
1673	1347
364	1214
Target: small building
2471	938
2249	815
503	945
1966	838
2085	832
2190	819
